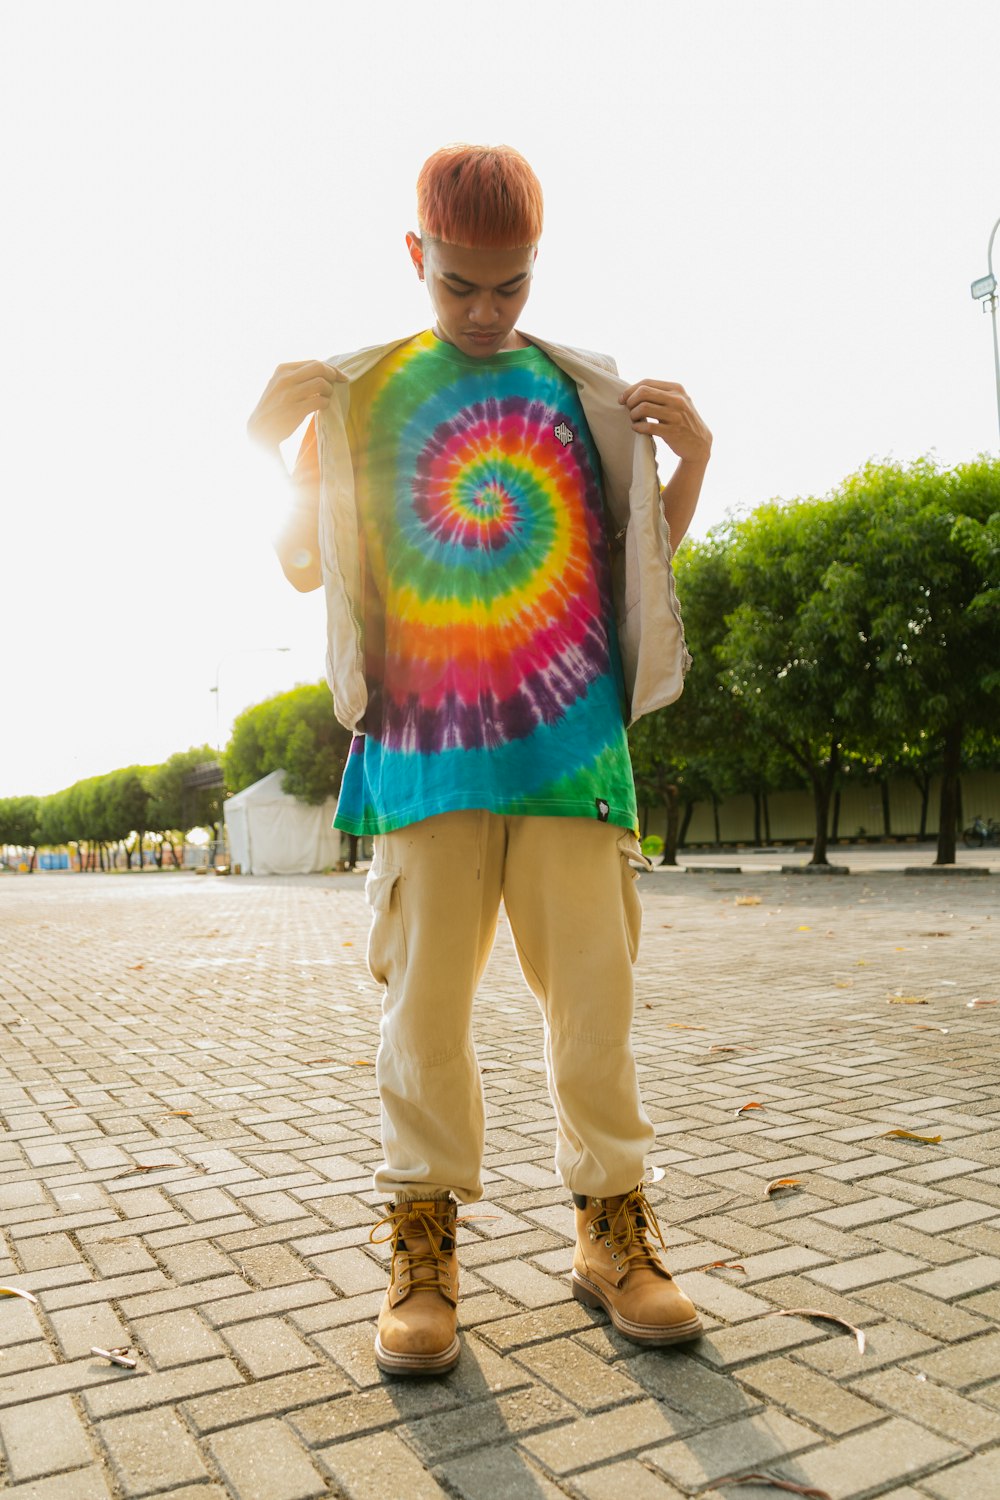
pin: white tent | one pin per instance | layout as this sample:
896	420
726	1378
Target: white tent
271	833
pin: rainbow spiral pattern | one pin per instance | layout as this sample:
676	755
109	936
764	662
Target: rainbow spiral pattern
492	664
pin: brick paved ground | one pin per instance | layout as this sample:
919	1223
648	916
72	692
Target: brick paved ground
222	1031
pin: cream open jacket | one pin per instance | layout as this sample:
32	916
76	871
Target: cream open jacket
650	631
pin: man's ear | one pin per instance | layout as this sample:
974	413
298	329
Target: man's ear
416	249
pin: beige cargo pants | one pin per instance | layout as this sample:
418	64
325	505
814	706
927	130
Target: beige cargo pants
568	886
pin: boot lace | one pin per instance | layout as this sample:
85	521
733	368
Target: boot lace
632	1221
437	1229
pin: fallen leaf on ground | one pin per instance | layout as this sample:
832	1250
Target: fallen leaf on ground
861	963
137	966
732	1047
362	1062
721	1265
908	1135
747	901
781	1182
778	1484
815	1312
119	1356
804	927
908	1000
313	1061
845	984
347	944
979	1004
15	1291
178	1112
682	1026
751	1104
140	1166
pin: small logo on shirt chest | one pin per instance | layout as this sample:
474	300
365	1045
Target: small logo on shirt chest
564	434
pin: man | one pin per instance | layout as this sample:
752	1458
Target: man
482	509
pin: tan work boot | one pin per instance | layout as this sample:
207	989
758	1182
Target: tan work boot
417	1325
615	1267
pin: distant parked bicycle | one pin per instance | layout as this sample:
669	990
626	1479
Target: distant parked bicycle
979	833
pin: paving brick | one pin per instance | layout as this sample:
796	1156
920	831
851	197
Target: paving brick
630	1480
285	1155
959	1279
912	1395
262	1304
512	1414
176	1338
263	1461
524	1284
269	1347
81	1484
140	1391
271	1265
379	1464
940	1319
350	1416
731	1448
43	1437
193	1262
813	1397
535	1327
948	1216
966	1364
972	1479
79	1329
578	1375
150	1451
500	1471
264	1398
885	1344
609	1434
687	1385
45	1250
893	1451
725	1347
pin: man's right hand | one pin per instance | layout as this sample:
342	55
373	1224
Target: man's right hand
293	392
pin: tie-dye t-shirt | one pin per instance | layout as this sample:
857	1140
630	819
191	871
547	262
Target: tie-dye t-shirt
491	656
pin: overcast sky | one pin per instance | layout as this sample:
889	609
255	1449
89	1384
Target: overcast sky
779	203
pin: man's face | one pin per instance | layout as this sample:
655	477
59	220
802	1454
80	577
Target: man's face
477	294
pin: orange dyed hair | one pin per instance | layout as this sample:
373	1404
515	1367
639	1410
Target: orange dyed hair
480	197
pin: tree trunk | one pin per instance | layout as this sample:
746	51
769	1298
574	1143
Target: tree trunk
835	830
715	816
685	824
767	817
886	809
670	837
948	815
823	778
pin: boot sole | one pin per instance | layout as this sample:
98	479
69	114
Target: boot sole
640	1333
394	1363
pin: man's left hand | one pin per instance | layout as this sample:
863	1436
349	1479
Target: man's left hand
665	410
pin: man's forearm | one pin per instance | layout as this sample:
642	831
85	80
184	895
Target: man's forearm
679	496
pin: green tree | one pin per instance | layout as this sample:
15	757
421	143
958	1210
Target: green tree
792	682
917	582
19	817
295	732
175	805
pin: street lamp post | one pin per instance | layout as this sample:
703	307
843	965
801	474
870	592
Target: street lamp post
243	651
984	290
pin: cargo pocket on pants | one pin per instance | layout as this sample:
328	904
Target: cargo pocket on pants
631	855
386	940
